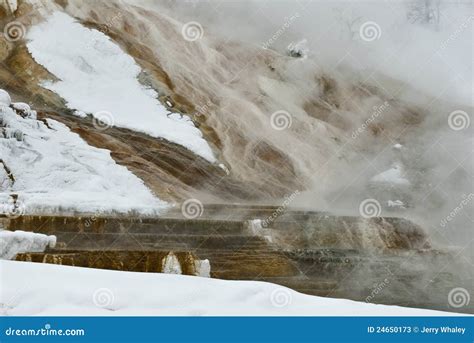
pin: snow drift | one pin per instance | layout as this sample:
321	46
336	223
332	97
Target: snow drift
60	290
97	77
14	242
46	168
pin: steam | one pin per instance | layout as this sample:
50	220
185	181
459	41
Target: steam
412	56
375	89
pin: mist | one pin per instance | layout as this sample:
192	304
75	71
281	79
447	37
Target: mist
421	63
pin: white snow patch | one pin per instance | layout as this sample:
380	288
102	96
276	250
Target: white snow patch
224	168
80	114
255	225
397	146
203	268
396	204
298	49
63	290
14	242
393	175
5	98
55	170
96	75
24	110
171	264
13	4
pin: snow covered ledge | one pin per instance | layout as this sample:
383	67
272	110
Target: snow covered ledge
96	76
15	242
69	174
60	290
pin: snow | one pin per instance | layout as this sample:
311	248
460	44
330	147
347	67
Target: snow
171	264
203	268
21	106
13	4
96	75
63	290
224	168
80	114
54	169
298	49
5	98
24	109
398	146
396	204
14	242
393	176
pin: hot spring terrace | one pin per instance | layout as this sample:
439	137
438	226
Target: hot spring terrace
382	260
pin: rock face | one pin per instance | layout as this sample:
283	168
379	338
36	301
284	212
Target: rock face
270	139
143	261
382	260
234	99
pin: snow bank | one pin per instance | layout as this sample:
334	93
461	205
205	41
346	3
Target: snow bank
52	169
96	75
5	98
61	290
14	242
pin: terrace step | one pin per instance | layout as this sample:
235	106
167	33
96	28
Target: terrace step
311	252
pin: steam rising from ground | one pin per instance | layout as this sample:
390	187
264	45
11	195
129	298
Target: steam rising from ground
372	91
414	56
